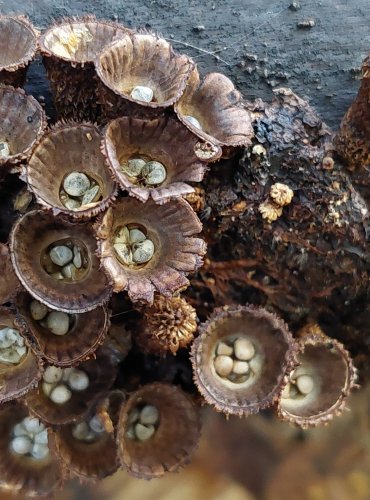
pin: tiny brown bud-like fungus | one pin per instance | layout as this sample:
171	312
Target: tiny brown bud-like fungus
55	261
69	49
140	72
66	395
212	110
18	45
281	194
270	211
22	122
240	359
316	390
169	325
27	466
148	247
67	172
20	369
63	339
154	157
158	430
9	283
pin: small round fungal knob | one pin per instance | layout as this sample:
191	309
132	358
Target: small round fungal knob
61	255
58	322
38	310
76	184
154	173
142	93
244	349
223	365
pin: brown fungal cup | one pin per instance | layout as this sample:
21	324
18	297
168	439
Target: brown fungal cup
155	157
175	436
101	373
20	369
144	61
21	473
240	359
9	284
316	390
22	122
18	46
168	325
212	110
148	247
69	149
69	49
85	333
34	237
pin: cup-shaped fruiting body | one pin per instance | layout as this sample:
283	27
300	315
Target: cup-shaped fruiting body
18	46
86	449
148	247
55	261
158	430
20	369
9	284
212	110
316	390
140	73
22	122
60	338
153	157
69	49
240	359
353	139
67	395
168	325
67	171
28	465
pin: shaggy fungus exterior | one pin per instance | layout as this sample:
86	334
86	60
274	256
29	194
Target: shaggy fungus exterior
158	431
69	49
213	111
63	339
67	395
22	122
168	325
316	390
67	172
62	271
20	369
240	359
140	74
9	284
148	247
153	157
27	466
18	46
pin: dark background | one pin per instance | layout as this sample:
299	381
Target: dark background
259	41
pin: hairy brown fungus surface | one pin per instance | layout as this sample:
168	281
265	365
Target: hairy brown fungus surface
153	157
22	122
148	247
316	390
212	110
27	466
67	172
9	283
140	72
20	369
55	261
240	359
67	395
158	430
86	449
60	338
69	49
18	46
168	325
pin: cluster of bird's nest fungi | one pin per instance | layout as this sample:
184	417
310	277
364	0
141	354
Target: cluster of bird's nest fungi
100	239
